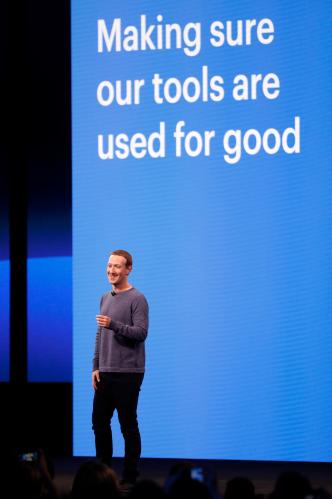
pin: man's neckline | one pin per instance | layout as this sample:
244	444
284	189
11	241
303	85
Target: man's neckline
122	292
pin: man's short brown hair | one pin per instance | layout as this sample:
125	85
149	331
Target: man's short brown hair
126	255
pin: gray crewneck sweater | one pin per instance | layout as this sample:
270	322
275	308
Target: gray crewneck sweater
120	348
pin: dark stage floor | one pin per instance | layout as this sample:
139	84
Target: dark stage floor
262	474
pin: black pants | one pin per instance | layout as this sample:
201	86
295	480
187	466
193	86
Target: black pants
118	391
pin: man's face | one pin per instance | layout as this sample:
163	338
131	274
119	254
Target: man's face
117	271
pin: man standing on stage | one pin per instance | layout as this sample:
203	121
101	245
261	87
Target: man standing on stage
119	364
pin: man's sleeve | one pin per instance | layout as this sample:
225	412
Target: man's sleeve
140	318
95	361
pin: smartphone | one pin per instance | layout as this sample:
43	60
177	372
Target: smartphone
29	457
196	473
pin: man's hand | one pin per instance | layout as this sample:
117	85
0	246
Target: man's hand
95	379
103	320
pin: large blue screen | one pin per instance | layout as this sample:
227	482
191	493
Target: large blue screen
201	144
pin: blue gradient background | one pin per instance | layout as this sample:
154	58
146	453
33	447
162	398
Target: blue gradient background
4	319
50	319
49	274
49	247
4	278
235	260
